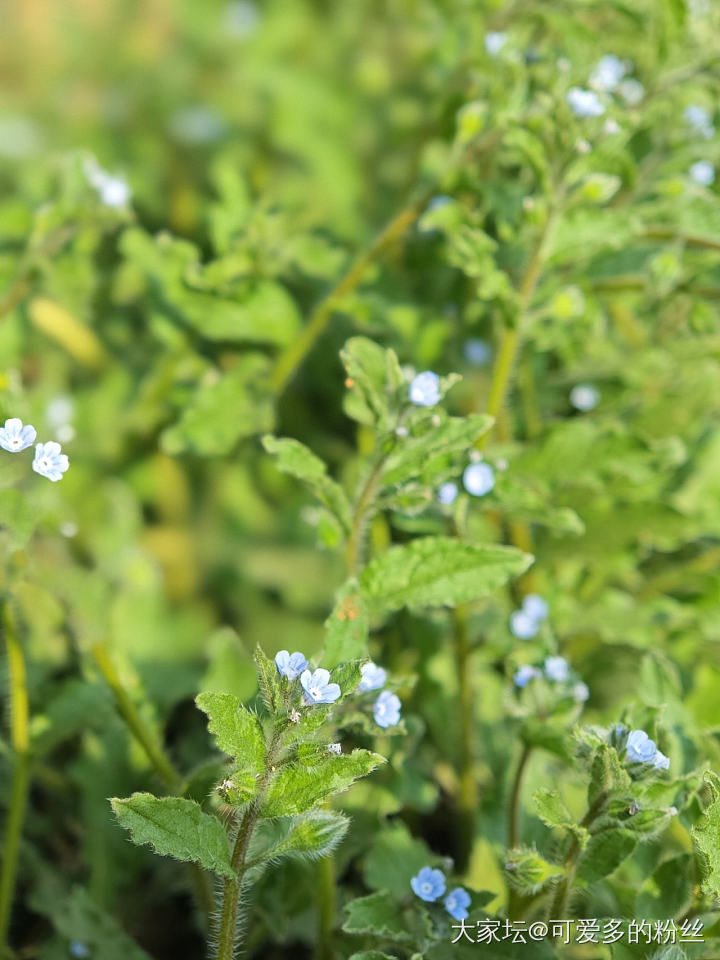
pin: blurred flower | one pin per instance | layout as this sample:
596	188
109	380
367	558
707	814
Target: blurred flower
196	124
387	709
428	884
478	479
113	191
699	119
608	73
317	686
242	18
632	91
611	126
60	411
78	950
477	351
639	747
290	665
584	103
534	605
494	42
425	389
68	529
49	461
556	669
335	748
584	397
15	437
447	493
523	625
524	674
702	173
457	903
660	761
581	692
373	677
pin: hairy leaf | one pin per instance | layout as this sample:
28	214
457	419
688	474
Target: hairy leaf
236	729
297	788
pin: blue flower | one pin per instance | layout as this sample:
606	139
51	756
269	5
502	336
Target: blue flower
49	461
479	479
15	437
113	191
494	42
477	351
584	103
373	677
584	397
457	903
660	761
425	389
447	493
534	606
608	73
525	674
639	747
699	119
317	687
556	668
290	665
632	91
335	748
78	949
523	625
386	709
428	884
581	692
703	173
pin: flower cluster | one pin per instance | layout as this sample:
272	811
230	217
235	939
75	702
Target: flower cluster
318	688
525	622
49	459
639	748
557	670
430	884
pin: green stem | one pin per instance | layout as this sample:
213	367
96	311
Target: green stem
159	761
514	810
20	742
353	548
326	908
467	799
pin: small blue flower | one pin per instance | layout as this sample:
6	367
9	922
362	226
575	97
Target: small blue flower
457	903
447	493
522	625
425	389
78	950
660	761
584	103
386	709
317	686
525	674
290	665
49	460
494	42
639	747
699	119
584	397
428	884
479	479
113	191
703	173
477	351
15	437
608	73
534	606
556	669
632	91
335	748
373	677
581	692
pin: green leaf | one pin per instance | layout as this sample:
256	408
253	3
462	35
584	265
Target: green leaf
377	915
376	381
268	681
438	572
236	729
553	812
414	456
528	872
372	955
297	788
608	776
18	517
605	852
706	835
177	828
295	458
310	835
346	629
347	676
395	856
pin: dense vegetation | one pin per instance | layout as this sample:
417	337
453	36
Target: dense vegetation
359	497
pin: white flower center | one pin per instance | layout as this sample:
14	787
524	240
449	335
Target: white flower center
315	693
426	887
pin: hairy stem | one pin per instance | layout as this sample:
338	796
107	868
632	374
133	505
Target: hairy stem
560	901
514	809
160	762
20	742
353	548
326	908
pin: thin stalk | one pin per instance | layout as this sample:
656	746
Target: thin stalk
227	939
160	762
514	809
467	798
353	548
20	743
327	905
